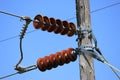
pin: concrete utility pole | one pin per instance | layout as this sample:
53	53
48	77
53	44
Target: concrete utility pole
83	21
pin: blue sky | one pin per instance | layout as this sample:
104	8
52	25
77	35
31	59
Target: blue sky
105	25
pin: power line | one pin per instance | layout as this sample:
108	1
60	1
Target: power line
9	75
15	36
9	38
105	7
11	14
115	4
20	71
66	19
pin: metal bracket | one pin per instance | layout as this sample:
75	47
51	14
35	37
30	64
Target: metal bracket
21	69
91	53
83	30
88	49
26	18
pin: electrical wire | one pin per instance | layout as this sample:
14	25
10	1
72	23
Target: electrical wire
17	67
9	38
8	75
105	7
27	69
104	59
99	9
112	67
13	37
21	58
10	14
22	34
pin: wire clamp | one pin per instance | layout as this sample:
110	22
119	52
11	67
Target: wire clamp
26	18
88	49
21	69
83	30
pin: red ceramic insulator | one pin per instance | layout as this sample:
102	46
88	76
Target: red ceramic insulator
47	62
52	25
72	57
59	26
53	60
38	22
59	59
65	56
72	29
65	29
40	64
46	23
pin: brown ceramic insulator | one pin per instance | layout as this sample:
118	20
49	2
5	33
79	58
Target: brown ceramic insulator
40	64
72	29
59	26
59	59
52	25
65	29
72	57
46	23
38	22
47	62
53	60
65	56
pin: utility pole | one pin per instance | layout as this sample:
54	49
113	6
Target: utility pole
83	22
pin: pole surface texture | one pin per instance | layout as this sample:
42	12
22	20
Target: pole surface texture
83	21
